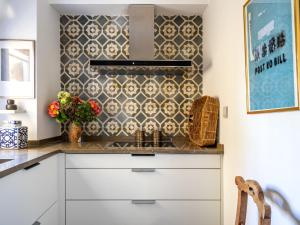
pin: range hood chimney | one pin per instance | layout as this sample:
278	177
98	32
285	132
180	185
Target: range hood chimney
141	32
141	42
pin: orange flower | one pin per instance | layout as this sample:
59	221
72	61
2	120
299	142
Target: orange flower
53	109
95	107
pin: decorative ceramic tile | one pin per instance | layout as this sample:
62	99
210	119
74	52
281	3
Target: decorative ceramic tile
93	128
134	97
169	127
73	69
93	88
149	125
131	107
112	127
112	107
73	49
150	108
74	87
131	126
73	29
92	30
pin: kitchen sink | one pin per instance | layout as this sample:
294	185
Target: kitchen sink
4	160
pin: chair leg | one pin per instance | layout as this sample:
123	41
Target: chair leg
241	208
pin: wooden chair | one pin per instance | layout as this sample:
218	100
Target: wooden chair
252	188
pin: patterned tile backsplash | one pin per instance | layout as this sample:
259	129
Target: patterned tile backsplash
130	101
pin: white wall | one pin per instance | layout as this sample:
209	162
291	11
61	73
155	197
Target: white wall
264	147
35	20
48	69
18	21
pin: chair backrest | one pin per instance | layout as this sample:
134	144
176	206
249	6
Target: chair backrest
252	188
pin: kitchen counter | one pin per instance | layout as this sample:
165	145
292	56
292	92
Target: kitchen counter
21	159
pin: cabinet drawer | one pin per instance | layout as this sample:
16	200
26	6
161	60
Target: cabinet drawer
126	213
26	194
129	161
143	184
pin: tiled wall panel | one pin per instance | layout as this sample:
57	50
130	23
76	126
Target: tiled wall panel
130	101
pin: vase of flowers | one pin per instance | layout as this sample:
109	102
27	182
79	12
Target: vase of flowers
75	132
72	109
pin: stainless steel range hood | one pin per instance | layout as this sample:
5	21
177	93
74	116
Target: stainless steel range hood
141	42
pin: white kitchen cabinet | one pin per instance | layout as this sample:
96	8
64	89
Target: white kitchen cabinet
140	161
158	213
50	217
121	189
27	194
143	184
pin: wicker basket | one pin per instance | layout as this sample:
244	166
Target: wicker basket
203	121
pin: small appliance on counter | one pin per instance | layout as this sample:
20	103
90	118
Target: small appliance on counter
154	140
13	135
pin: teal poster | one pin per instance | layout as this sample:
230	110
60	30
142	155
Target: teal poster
271	64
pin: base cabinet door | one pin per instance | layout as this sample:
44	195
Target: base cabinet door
50	217
28	193
143	212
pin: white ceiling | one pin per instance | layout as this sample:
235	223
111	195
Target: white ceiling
120	7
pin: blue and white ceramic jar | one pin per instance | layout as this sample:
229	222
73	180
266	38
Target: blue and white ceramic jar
13	135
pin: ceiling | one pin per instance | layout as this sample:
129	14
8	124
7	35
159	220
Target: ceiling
118	7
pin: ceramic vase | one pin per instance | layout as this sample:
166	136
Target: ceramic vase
75	132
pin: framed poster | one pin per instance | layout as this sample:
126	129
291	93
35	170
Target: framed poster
271	30
17	67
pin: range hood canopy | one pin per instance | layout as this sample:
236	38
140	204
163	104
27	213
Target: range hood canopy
141	42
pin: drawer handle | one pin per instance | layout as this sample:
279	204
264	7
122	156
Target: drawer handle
143	202
32	166
143	170
151	154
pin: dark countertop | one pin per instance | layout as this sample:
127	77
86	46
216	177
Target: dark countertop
27	157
